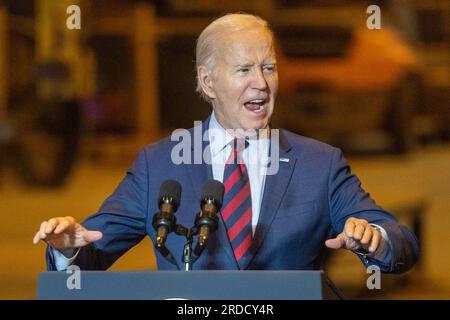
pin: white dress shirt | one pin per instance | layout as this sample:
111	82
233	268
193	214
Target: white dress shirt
254	156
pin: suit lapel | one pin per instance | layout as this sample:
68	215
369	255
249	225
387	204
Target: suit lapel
199	171
274	190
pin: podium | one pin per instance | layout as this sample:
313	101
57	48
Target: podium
195	285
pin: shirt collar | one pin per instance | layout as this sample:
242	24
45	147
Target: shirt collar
219	138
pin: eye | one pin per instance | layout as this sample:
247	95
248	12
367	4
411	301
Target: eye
243	70
269	68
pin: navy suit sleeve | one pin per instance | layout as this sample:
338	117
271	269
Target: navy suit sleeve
347	199
121	218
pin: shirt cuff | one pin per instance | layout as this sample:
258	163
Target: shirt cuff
61	261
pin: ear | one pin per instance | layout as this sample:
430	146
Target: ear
205	79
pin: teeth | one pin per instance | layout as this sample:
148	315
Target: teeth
257	101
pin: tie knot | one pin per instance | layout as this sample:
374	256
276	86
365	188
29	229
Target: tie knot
238	146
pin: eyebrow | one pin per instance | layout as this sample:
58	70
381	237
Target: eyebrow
246	65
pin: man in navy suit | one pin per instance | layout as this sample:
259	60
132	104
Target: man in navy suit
281	216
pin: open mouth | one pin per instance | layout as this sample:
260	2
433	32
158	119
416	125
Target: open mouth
255	105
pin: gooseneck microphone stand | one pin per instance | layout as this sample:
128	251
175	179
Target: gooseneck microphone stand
206	222
189	255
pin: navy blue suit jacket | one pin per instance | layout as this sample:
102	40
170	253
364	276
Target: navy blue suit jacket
304	204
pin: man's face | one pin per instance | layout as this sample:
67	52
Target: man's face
245	80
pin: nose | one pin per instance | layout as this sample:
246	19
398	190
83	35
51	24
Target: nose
259	80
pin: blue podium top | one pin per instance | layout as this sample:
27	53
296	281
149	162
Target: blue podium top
198	285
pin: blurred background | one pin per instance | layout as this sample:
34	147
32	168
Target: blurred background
75	106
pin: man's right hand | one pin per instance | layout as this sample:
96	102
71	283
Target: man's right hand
64	233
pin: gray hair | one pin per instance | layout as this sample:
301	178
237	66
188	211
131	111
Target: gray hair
215	31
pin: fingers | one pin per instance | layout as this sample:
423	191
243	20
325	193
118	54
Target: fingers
36	238
375	241
63	224
360	228
42	234
349	227
359	233
367	236
52	226
356	228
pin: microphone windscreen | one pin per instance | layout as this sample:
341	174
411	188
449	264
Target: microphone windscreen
213	189
170	188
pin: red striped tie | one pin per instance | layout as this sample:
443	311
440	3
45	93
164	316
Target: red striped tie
237	204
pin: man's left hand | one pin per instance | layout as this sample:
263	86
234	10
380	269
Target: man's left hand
357	234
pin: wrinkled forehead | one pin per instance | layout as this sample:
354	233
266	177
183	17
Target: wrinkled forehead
254	45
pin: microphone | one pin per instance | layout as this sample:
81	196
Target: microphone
164	221
211	201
